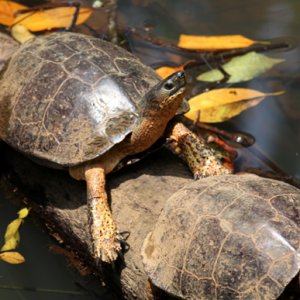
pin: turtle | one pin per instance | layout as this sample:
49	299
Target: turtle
7	47
226	237
76	102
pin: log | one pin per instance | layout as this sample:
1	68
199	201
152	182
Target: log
137	195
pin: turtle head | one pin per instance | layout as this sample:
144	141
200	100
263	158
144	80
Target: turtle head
166	97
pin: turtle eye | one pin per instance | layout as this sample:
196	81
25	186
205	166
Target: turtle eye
168	86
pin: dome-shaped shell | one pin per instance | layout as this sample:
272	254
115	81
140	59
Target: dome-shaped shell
68	97
226	237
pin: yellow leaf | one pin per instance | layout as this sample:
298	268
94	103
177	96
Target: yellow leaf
12	236
12	257
12	228
12	242
60	17
21	34
222	42
23	213
7	11
222	104
164	72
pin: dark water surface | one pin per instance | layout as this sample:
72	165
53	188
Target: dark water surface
275	123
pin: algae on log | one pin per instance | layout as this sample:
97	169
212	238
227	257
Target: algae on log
137	194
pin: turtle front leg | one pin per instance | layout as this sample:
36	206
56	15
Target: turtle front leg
201	159
103	229
105	240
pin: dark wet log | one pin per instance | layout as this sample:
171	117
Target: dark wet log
137	194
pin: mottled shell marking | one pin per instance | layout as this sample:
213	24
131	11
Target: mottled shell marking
68	97
226	237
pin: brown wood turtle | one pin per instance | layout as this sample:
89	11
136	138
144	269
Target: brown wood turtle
226	237
7	47
73	101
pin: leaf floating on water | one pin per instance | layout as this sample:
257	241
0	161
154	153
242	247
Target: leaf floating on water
12	236
221	42
60	17
222	104
21	34
12	239
23	213
164	72
12	243
12	257
242	68
8	10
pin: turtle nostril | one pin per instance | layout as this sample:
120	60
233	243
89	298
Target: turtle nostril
180	74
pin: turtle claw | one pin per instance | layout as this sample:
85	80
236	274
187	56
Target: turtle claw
122	237
110	249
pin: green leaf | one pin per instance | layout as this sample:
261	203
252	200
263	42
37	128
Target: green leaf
242	68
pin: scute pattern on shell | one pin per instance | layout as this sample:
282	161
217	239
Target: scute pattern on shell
226	237
70	97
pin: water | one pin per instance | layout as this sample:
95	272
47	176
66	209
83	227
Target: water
44	275
274	123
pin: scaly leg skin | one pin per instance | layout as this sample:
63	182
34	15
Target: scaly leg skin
103	229
201	159
106	240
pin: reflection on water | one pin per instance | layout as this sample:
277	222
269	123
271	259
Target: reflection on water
275	123
43	275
